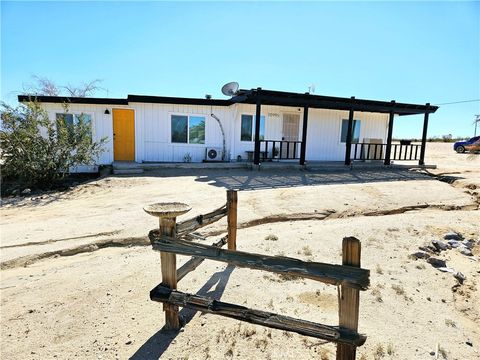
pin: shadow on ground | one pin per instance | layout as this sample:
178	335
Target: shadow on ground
154	347
267	179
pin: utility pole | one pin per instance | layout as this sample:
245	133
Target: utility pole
477	120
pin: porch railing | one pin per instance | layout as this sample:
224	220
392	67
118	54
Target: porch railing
280	149
369	151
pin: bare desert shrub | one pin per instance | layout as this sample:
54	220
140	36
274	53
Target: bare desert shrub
379	352
399	290
306	250
377	294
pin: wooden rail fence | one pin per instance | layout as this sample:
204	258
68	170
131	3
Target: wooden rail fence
176	238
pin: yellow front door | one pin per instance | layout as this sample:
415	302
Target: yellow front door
123	135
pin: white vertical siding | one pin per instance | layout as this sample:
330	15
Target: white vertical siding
153	129
102	126
273	125
324	131
154	134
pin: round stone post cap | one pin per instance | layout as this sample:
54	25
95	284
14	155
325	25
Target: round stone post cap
167	209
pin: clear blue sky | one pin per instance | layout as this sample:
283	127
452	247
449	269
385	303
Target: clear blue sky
408	51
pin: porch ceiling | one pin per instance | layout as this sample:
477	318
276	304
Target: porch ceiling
281	98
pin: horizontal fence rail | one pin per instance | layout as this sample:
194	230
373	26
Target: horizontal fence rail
353	277
173	238
280	149
190	225
370	151
195	261
264	318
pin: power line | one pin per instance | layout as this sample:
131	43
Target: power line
459	102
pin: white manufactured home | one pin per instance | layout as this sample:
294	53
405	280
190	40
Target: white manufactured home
254	125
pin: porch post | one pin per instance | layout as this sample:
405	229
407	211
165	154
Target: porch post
348	143
421	161
388	149
303	148
256	154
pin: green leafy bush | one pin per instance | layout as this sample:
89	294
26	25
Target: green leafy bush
38	152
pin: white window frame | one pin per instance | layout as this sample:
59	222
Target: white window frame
253	126
78	113
188	115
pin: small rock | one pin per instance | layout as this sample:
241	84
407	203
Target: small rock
436	262
460	277
420	255
432	353
469	343
465	251
453	236
440	245
128	342
446	269
468	243
454	243
428	248
26	191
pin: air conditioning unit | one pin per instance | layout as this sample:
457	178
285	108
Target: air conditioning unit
213	154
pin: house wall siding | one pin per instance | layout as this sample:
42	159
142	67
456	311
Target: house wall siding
153	129
153	122
323	133
330	148
102	125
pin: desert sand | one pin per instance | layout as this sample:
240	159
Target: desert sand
77	266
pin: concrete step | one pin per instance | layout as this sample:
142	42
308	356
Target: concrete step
127	171
202	165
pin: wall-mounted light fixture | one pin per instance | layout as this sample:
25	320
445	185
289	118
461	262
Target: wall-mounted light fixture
107	112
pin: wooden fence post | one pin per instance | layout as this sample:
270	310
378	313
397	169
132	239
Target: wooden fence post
348	307
169	272
167	214
232	219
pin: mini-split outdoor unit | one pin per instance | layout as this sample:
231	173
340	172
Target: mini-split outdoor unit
213	154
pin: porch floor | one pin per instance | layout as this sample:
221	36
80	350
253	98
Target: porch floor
131	167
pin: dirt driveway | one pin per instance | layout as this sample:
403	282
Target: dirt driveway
63	297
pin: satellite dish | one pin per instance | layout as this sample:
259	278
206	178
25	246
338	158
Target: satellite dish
230	89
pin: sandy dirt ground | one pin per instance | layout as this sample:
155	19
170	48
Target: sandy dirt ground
77	268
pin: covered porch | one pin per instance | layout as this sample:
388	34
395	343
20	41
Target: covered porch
366	150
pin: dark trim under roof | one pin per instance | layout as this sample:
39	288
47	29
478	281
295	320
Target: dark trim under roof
129	99
266	97
177	100
281	98
72	100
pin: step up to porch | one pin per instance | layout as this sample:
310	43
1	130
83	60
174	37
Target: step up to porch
127	171
126	168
